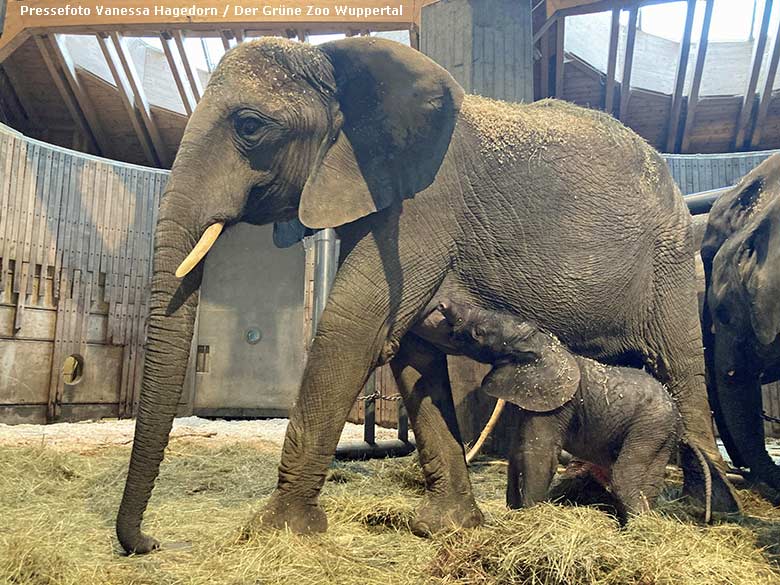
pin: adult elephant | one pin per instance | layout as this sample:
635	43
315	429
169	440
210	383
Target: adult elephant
741	316
547	210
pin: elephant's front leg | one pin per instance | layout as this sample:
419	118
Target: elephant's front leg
533	459
382	285
421	373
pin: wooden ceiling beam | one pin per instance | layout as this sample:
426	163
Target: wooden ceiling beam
128	99
67	97
750	93
560	34
190	71
693	97
88	109
628	63
766	94
614	37
50	16
141	102
679	79
177	70
574	7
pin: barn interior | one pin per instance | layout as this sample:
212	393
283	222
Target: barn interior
92	112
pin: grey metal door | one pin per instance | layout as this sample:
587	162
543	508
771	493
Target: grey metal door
250	353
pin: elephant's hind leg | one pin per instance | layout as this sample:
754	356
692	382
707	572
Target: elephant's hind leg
421	373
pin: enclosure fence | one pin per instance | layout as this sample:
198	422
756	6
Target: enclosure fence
76	237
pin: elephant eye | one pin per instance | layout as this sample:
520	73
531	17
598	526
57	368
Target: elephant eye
247	125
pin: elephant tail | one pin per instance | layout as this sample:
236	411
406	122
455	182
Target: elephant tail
491	424
705	482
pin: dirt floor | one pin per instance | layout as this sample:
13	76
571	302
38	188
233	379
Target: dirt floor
60	487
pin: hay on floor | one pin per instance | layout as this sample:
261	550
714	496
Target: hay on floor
58	510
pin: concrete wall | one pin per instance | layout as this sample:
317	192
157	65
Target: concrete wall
484	44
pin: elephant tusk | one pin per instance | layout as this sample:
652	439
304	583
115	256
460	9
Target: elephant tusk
491	424
201	249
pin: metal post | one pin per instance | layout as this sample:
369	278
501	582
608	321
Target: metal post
325	262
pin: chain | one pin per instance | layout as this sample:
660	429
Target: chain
377	396
772	419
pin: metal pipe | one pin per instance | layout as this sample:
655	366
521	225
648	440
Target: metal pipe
325	264
699	203
361	450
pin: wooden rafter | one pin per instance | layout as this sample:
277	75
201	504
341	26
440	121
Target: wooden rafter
67	97
189	70
766	94
128	99
679	80
693	97
560	34
177	70
614	36
57	44
628	63
136	86
750	93
228	39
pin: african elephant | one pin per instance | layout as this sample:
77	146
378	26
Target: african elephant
619	419
545	210
741	314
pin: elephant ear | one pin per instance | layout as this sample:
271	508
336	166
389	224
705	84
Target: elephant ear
397	111
542	385
758	259
287	233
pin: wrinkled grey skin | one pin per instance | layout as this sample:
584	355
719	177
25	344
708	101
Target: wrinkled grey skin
741	314
546	211
620	419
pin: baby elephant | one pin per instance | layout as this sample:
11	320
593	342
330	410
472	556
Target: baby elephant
621	419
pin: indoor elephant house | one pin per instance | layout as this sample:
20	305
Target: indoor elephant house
309	293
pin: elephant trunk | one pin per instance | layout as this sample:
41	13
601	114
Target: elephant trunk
173	305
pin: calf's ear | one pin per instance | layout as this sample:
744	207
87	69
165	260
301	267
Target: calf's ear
540	386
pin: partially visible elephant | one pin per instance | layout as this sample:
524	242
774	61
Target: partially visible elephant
741	314
547	211
619	419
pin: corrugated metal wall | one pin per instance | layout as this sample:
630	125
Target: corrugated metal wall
702	172
75	248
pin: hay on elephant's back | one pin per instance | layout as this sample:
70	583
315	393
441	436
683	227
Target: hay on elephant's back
512	131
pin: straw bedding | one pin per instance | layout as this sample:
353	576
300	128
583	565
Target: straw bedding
58	508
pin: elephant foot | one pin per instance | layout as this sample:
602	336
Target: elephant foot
139	544
768	474
445	514
298	516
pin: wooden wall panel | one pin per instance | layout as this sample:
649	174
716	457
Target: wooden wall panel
75	248
171	126
715	125
49	118
582	84
112	114
648	113
770	133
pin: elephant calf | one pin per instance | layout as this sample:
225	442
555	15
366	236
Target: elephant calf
621	419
